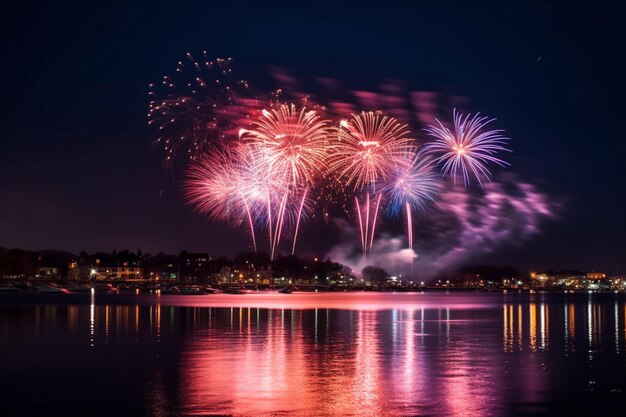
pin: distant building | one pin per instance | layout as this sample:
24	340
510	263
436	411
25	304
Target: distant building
78	270
463	280
595	275
196	267
48	272
559	280
84	271
618	282
115	272
264	276
226	274
251	275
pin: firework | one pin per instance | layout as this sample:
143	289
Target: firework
262	164
233	186
413	183
283	212
271	201
200	104
468	149
293	142
216	185
366	150
367	215
367	147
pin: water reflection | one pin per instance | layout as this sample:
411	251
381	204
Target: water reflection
92	319
538	324
513	355
366	363
569	313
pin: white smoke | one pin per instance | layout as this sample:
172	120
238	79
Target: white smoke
388	251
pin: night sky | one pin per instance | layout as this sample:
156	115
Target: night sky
78	170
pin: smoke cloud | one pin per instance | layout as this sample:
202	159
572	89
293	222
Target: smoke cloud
463	224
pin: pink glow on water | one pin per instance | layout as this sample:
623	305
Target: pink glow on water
263	362
413	354
368	301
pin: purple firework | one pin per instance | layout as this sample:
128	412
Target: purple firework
467	149
413	183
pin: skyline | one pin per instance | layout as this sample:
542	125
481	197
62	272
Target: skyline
81	174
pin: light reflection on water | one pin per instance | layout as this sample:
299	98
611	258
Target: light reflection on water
392	354
368	363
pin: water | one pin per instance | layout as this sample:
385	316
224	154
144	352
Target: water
360	354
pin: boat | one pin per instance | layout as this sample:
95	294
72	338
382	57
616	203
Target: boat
49	289
104	288
233	290
78	289
170	290
8	288
125	288
193	290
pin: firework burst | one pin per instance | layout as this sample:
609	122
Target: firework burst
200	104
468	149
293	142
217	185
233	186
261	164
413	181
412	184
366	149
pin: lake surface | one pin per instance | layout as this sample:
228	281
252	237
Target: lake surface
360	354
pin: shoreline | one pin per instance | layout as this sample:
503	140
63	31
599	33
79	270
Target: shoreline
28	286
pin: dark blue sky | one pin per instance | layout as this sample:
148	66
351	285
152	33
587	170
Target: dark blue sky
77	169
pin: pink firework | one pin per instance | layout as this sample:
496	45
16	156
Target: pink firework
367	147
366	150
468	149
216	185
293	142
292	145
268	196
232	185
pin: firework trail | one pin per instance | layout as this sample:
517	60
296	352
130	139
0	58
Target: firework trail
366	150
367	213
270	196
295	236
416	108
468	148
412	184
284	211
